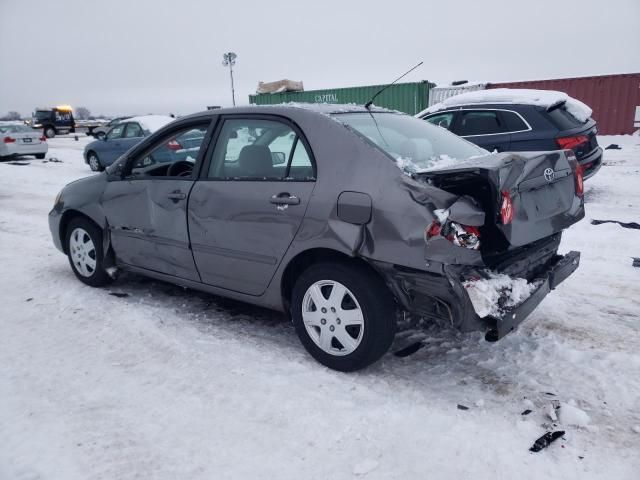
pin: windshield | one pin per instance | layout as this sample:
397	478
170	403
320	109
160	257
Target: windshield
42	114
415	144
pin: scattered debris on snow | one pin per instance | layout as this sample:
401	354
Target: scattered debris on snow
462	407
526	412
613	146
632	225
545	440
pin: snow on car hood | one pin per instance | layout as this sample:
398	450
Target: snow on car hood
152	123
540	98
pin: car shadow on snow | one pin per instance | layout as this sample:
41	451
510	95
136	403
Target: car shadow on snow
447	356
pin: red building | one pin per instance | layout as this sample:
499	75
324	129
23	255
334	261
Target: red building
615	99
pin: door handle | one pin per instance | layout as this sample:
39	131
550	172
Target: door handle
284	199
177	195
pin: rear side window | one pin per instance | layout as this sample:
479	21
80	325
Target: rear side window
479	123
443	120
257	149
562	119
133	130
513	121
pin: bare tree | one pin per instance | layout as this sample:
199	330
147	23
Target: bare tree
82	113
12	116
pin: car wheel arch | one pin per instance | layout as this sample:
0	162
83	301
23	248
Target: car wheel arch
303	260
69	215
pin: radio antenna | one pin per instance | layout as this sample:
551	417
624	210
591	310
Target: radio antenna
370	102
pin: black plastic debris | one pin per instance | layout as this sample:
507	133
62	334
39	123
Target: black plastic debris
633	225
29	299
526	412
18	163
613	146
550	394
545	440
409	350
636	262
119	295
462	407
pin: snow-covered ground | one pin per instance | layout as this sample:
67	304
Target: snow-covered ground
175	384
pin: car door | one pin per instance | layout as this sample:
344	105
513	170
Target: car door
249	202
485	128
147	208
108	150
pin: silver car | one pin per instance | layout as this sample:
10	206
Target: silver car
17	140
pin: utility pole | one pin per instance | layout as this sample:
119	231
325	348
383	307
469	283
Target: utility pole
229	60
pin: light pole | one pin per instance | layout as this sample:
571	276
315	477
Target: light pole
229	60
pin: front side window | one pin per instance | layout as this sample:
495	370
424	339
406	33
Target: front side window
416	145
443	120
479	123
257	149
133	130
115	132
174	155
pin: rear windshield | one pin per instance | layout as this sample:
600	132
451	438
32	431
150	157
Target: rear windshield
14	129
562	119
416	145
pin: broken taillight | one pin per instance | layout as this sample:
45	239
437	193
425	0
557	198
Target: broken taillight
579	180
506	209
460	235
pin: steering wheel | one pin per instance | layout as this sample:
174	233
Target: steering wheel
180	169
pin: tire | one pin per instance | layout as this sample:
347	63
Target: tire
40	156
100	135
83	241
366	303
94	162
49	132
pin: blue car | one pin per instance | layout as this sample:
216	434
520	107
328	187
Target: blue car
103	152
514	120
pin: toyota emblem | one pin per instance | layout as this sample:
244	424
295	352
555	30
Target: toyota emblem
549	174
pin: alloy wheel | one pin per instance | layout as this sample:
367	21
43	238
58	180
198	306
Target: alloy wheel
332	317
83	252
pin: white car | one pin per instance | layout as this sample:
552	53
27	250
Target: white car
16	139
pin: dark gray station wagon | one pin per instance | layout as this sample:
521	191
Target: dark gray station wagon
338	215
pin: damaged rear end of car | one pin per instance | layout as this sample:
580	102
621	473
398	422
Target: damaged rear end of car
498	241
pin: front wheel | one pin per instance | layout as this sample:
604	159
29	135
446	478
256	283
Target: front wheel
84	249
94	162
343	314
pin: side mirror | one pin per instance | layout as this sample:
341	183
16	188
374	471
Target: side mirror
278	158
116	170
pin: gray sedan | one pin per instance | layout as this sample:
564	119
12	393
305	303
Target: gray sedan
340	216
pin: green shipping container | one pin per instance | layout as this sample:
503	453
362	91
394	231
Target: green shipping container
410	98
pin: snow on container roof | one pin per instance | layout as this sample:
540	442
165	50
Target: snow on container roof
152	122
540	98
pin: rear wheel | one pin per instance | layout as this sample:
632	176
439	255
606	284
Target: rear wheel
343	314
40	156
84	249
94	162
49	132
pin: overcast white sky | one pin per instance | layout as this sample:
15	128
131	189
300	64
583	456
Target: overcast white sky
125	56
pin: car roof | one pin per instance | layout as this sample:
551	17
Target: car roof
283	108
